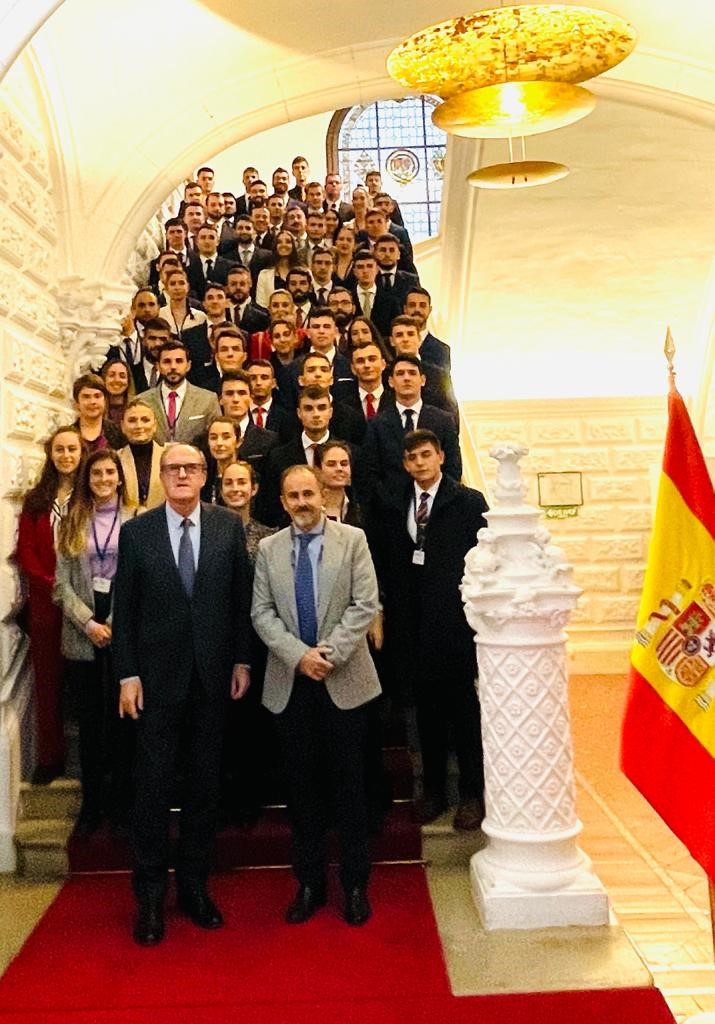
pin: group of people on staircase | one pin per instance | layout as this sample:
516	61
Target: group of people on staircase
255	529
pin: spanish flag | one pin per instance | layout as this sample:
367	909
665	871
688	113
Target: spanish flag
668	743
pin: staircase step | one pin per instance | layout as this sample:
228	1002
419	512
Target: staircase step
60	799
267	843
41	845
443	846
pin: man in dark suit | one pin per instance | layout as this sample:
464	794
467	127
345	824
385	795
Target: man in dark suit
399	282
323	339
368	395
265	411
418	305
315	595
438	390
315	410
250	175
346	423
426	528
377	225
256	443
301	173
333	197
209	266
242	311
181	645
380	463
175	246
373	184
145	373
242	250
377	304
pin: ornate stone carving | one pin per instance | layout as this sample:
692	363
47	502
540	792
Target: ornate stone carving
518	597
89	319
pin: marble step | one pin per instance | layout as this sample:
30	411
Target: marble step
41	845
59	800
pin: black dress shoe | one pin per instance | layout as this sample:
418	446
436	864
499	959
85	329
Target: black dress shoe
149	924
198	906
357	906
307	900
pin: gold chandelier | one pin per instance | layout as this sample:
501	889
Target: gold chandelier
513	71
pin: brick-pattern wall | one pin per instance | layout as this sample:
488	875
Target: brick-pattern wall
617	445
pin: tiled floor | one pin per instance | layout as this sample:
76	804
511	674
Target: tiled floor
658	893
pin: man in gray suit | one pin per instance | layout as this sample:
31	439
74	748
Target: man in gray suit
315	594
183	411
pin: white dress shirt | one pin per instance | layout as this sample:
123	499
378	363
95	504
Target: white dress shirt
411	523
308	443
376	394
164	390
416	408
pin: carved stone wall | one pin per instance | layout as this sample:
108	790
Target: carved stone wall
33	388
617	444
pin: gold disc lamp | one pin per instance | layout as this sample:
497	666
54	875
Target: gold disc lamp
512	71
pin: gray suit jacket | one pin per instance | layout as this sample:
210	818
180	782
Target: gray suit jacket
347	602
197	410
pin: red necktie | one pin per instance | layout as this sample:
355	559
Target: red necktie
258	415
299	318
370	410
171	412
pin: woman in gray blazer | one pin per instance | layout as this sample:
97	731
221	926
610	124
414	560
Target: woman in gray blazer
86	566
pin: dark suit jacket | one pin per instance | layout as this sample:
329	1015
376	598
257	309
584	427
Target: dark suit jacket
254	318
203	373
432	350
423	605
379	468
384	309
344	211
404	282
197	281
268	508
256	445
350	395
161	635
345	424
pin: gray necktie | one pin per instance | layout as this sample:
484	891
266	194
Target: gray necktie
187	570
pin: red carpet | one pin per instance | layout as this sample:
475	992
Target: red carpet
81	966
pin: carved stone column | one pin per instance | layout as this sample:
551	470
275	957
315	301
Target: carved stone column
89	321
518	596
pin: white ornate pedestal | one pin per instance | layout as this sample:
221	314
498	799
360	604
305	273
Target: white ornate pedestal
518	596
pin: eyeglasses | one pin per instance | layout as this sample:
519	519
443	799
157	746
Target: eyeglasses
190	468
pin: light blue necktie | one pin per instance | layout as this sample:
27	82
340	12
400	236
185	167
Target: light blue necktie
187	570
305	593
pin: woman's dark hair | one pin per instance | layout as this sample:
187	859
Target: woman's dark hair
39	498
323	448
376	336
294	259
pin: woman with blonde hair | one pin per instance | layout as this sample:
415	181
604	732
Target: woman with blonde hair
86	566
43	509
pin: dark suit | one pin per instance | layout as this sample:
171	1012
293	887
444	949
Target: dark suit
437	352
345	424
291	388
268	500
403	283
256	445
183	650
252	320
344	211
350	395
203	372
197	280
385	308
380	468
428	640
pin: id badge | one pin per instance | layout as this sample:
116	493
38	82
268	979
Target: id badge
418	557
100	585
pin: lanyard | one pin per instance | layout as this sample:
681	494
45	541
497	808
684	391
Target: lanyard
101	553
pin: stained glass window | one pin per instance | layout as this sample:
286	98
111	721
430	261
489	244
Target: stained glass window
397	138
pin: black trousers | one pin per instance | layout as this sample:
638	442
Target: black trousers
324	754
105	741
446	699
190	732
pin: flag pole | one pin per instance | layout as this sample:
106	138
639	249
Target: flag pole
669	349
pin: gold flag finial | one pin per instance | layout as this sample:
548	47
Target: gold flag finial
669	349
